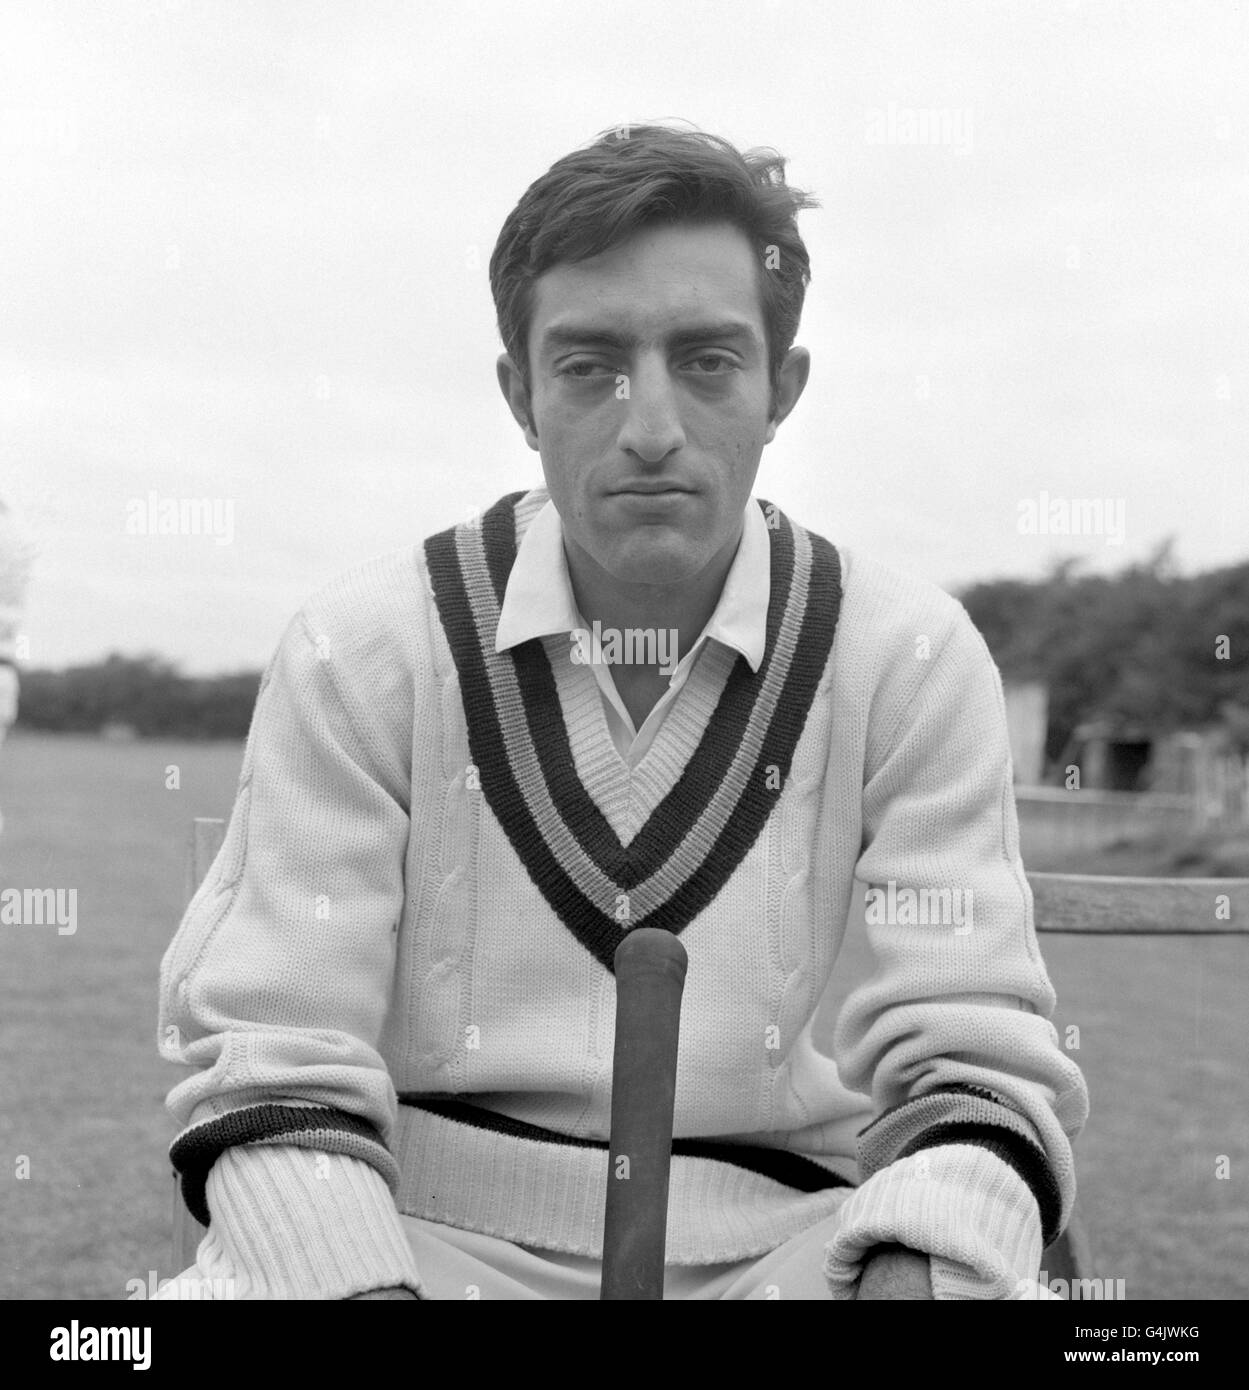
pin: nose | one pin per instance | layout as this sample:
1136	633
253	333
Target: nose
651	427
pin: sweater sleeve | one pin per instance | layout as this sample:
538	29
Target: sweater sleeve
968	1158
276	985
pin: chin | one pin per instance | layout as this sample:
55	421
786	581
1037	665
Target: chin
668	562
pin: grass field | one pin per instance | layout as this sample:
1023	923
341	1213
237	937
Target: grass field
1164	1042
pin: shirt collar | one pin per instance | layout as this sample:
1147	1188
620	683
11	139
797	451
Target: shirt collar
539	600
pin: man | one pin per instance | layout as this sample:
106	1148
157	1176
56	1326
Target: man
396	979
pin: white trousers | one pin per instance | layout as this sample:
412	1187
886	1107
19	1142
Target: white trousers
458	1264
464	1265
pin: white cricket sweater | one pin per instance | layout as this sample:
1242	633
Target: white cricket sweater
396	913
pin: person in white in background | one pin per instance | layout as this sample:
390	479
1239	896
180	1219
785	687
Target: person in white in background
15	562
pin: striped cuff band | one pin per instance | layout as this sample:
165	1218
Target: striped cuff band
197	1148
961	1114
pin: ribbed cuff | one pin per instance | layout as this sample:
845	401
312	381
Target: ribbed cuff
961	1205
294	1223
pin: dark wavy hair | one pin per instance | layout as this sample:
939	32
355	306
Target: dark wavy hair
630	177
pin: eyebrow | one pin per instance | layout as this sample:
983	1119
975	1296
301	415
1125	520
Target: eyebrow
577	335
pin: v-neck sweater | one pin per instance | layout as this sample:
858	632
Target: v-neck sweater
396	978
539	601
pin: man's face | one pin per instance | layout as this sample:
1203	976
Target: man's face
650	397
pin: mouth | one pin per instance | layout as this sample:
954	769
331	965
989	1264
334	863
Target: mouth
649	489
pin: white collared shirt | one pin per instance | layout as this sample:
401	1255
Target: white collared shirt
539	600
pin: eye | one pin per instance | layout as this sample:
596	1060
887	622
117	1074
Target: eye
582	369
713	363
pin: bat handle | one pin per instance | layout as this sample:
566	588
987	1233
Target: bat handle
650	977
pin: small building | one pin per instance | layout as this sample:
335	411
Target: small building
1027	721
1202	763
1118	781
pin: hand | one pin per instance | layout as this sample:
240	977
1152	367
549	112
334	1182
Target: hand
894	1272
397	1292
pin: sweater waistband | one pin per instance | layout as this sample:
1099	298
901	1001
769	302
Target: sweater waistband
481	1171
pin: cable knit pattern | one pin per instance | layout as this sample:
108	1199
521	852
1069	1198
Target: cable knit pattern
368	928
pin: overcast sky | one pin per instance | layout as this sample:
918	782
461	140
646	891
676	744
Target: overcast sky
245	251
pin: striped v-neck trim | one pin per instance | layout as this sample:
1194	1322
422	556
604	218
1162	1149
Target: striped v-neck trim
626	793
707	822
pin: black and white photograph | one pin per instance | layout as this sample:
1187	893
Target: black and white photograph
624	666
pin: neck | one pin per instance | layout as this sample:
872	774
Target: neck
686	606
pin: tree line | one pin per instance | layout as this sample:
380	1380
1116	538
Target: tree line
143	693
1142	647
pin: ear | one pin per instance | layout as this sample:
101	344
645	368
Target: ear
512	384
791	382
